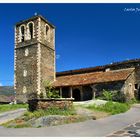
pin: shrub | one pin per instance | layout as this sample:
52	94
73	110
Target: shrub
50	91
116	96
132	101
107	95
119	97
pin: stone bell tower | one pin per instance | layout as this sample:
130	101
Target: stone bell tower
34	57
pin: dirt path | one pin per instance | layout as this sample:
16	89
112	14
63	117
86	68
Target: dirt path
10	115
90	113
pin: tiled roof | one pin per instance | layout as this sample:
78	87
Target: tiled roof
92	78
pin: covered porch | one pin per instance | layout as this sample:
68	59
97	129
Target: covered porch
87	86
79	93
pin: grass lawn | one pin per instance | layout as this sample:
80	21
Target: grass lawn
111	107
8	107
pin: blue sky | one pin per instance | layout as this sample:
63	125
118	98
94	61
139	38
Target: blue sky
86	34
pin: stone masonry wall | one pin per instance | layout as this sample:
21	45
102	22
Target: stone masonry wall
26	62
125	66
112	86
129	87
45	104
47	54
49	39
26	72
27	41
137	74
47	65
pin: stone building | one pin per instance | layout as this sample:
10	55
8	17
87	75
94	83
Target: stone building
35	63
89	83
34	56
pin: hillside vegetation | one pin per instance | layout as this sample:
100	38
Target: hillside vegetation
6	90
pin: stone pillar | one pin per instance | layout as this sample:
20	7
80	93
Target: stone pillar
93	92
60	92
71	92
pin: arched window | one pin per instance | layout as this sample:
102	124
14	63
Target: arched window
22	32
47	32
31	28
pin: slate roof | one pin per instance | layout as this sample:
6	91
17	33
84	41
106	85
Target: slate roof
92	78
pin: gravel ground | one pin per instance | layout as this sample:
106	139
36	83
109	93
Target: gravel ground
91	113
86	103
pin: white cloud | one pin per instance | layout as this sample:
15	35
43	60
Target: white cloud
0	84
57	56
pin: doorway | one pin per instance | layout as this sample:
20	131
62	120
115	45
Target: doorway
76	95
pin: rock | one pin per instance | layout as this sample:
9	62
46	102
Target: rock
49	120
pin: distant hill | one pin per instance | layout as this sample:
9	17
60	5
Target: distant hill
7	90
6	94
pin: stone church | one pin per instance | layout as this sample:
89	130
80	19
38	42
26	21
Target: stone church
35	63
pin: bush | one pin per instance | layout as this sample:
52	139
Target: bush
132	101
107	95
50	91
116	96
119	97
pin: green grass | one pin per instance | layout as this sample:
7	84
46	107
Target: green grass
51	111
24	121
111	107
8	107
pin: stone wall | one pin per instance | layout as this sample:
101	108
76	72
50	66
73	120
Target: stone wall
27	41
110	86
44	104
137	74
49	39
26	72
47	65
126	87
129	87
125	65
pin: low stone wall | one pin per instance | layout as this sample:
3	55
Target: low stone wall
61	103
